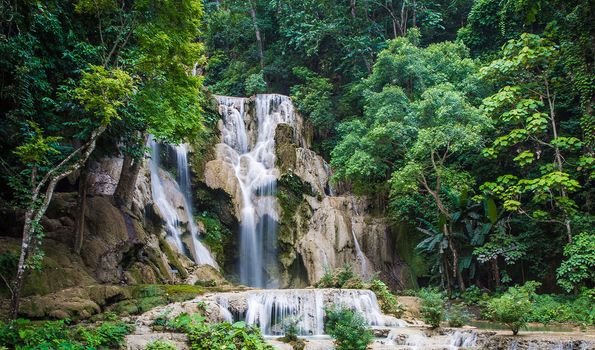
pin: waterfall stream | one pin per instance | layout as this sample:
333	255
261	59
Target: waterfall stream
268	309
254	167
174	224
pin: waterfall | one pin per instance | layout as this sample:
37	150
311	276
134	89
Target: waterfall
254	168
358	251
174	225
413	339
269	308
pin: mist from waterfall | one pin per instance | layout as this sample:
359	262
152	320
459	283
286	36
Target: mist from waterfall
174	225
254	167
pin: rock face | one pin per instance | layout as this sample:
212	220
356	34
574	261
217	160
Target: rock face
318	229
120	246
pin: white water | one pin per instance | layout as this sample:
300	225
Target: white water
358	250
269	308
174	226
254	167
415	339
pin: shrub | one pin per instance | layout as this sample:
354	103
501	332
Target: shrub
349	328
23	334
327	280
579	267
513	307
290	328
205	336
457	315
344	275
474	295
226	336
340	278
388	302
160	345
432	306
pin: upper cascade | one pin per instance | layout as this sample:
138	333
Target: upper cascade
250	151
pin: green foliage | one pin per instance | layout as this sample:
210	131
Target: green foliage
255	84
579	267
340	278
205	336
349	329
457	315
432	306
387	300
314	99
102	92
160	345
513	307
290	326
24	334
215	235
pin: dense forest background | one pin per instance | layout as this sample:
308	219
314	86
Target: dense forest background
469	123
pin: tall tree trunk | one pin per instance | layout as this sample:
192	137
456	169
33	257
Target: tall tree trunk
495	272
557	153
128	175
257	31
456	273
35	210
414	15
82	204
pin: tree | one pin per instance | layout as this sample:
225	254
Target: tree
525	107
101	93
513	307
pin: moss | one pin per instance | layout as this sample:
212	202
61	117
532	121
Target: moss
172	258
183	288
216	235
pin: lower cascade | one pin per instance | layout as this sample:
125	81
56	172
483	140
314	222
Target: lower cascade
270	308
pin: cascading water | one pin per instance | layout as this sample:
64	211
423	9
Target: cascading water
358	250
270	308
254	167
173	223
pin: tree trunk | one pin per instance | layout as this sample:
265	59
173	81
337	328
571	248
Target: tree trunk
36	210
18	282
127	181
257	31
82	203
447	275
455	262
496	273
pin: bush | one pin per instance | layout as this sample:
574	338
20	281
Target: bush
514	307
388	302
24	334
205	336
556	308
432	306
327	280
290	328
579	267
160	345
349	328
341	278
457	315
474	295
226	336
